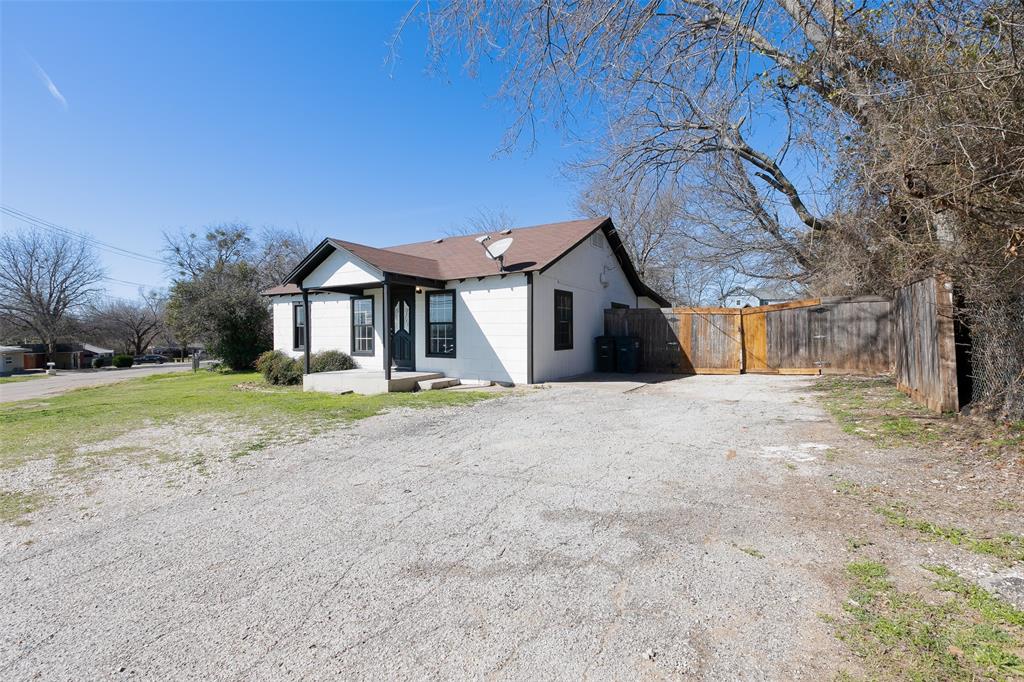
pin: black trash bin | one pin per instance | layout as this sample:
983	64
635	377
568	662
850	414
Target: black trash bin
627	354
604	354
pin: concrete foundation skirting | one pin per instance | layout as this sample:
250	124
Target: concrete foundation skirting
365	382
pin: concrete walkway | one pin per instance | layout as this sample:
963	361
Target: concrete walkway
67	380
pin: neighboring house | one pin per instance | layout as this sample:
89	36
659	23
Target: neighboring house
90	351
66	356
444	306
741	297
12	359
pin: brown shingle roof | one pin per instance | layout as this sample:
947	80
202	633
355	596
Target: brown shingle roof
451	258
533	248
282	290
391	260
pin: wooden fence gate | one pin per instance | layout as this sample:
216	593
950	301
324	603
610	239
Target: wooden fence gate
830	335
682	340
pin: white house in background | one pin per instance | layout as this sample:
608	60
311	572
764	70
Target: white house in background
12	359
741	297
445	307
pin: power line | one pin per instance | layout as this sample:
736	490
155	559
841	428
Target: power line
134	284
53	227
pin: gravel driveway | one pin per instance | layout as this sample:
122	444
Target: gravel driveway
575	531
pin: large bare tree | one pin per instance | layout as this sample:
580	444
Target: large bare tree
840	146
130	325
45	279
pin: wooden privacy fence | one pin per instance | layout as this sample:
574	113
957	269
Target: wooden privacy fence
914	333
830	335
682	340
800	337
925	344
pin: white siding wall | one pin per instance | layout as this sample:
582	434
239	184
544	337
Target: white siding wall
596	280
376	361
283	324
490	331
341	268
11	361
644	302
331	327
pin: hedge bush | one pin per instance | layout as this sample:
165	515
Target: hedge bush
282	370
279	369
98	361
330	361
123	361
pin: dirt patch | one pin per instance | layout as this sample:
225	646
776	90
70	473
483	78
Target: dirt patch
941	498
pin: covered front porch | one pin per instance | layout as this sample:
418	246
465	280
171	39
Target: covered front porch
382	343
374	381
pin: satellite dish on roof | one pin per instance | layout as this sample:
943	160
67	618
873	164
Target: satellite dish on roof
495	251
498	248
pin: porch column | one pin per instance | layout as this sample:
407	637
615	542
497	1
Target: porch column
386	335
305	330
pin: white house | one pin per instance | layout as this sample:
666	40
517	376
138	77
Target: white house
445	307
12	359
742	297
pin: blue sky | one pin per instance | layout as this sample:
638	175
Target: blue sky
123	120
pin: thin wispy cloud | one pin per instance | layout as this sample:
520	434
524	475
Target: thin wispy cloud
48	82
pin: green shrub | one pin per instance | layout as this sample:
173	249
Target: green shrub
330	361
279	369
98	361
123	361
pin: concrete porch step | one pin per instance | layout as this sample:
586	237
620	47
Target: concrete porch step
434	384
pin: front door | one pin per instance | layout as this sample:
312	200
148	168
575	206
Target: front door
402	330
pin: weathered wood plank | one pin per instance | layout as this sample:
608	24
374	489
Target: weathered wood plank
924	343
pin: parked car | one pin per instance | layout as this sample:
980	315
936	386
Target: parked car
151	358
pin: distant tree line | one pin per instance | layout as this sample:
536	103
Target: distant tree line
52	291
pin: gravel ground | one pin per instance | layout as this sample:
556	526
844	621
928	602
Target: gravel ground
609	531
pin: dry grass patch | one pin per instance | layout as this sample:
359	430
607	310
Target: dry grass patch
189	418
960	633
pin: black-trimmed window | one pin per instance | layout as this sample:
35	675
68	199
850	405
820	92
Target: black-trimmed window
620	306
362	325
298	326
441	324
563	320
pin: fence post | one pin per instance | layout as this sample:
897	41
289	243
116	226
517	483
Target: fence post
945	311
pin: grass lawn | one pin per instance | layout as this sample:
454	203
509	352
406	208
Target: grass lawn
60	426
21	377
872	408
961	632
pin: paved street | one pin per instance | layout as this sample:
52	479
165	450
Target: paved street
67	380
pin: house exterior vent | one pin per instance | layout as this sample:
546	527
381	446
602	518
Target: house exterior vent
596	241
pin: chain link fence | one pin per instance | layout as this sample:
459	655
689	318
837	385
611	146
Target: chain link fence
997	358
